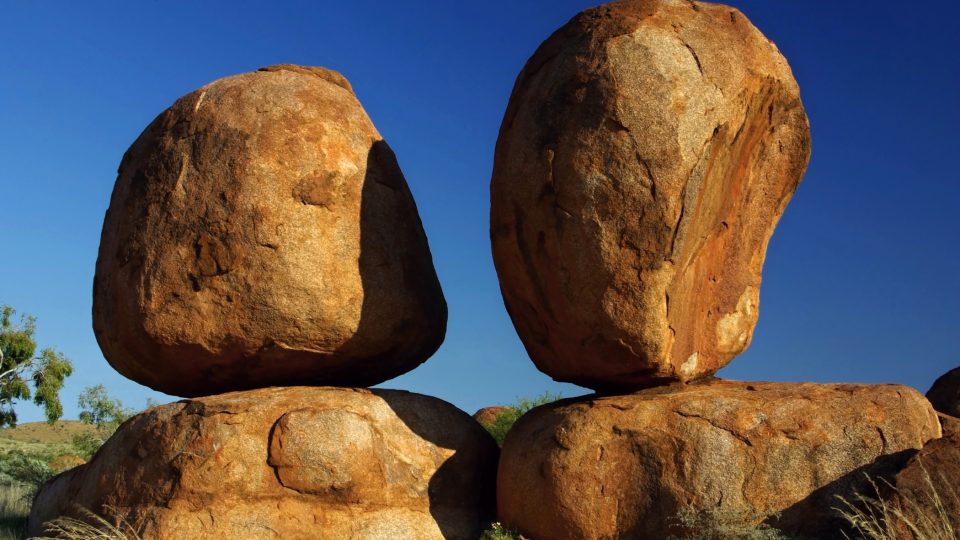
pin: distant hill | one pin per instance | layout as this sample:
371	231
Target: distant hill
61	432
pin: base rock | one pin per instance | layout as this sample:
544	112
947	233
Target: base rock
289	463
624	466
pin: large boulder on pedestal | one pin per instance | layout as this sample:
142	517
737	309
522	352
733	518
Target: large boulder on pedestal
289	463
648	150
261	233
626	466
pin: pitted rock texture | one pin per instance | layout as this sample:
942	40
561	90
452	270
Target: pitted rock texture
648	150
261	233
624	466
289	463
945	393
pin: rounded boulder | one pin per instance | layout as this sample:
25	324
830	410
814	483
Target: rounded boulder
261	233
647	152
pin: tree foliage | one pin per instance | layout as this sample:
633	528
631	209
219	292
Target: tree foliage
99	409
500	425
24	374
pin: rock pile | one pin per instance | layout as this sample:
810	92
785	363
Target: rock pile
647	152
261	234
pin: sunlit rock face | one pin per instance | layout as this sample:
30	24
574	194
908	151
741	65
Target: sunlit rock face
261	233
626	466
647	152
292	462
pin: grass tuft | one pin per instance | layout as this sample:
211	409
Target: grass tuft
920	516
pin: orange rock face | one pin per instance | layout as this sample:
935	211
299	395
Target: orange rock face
624	466
289	463
261	233
648	150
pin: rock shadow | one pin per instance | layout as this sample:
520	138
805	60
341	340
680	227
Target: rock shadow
403	317
462	492
812	517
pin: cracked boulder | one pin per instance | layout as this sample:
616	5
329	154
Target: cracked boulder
632	466
647	152
288	463
261	233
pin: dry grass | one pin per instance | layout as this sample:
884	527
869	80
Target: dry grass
14	509
89	527
927	518
61	432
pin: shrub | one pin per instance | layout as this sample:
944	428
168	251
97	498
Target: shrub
498	532
500	425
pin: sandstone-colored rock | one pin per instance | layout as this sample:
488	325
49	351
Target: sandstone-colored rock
488	415
624	466
945	393
292	463
65	462
648	150
261	233
949	424
928	491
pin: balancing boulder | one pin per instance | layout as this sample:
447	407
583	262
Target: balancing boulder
261	233
627	466
289	463
647	152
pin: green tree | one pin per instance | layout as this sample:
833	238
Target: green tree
21	368
99	409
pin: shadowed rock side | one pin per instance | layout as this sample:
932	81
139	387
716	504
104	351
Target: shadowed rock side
945	393
648	150
623	466
261	233
928	491
289	463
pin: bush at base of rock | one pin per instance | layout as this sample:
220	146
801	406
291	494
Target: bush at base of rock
624	466
292	462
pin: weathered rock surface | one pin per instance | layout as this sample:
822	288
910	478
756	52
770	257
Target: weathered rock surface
928	490
648	150
624	466
261	233
290	463
945	393
488	415
950	424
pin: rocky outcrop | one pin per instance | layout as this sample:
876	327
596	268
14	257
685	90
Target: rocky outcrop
488	415
261	233
950	424
625	466
645	157
289	463
928	491
945	393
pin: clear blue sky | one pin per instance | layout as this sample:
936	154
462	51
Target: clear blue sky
862	281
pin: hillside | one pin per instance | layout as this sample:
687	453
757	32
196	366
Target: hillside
62	432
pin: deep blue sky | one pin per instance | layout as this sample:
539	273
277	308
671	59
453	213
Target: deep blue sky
862	280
